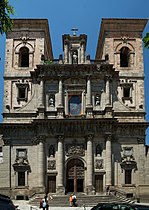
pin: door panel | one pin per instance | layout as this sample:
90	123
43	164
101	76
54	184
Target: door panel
52	184
99	183
75	176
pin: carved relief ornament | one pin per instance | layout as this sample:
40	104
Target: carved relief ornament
75	149
99	164
38	139
51	164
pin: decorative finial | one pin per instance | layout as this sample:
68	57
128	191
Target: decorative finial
74	30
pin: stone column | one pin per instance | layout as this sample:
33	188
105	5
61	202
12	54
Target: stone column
89	107
108	159
41	94
41	100
60	108
89	91
108	94
60	165
82	104
90	188
60	92
66	52
70	57
82	53
79	56
41	162
66	103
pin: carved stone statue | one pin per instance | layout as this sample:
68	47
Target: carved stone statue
51	100
75	58
97	100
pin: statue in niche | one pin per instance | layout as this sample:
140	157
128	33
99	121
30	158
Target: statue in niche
51	151
98	150
97	100
51	100
75	57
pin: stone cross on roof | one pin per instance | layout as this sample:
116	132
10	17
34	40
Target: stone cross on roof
74	30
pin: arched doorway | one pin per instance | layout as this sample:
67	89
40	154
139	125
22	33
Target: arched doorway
75	176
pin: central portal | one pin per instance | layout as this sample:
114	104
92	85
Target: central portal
75	176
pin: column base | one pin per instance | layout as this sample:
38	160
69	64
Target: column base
60	112
60	190
41	110
89	111
90	190
108	111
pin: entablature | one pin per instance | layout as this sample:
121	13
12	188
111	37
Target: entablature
72	70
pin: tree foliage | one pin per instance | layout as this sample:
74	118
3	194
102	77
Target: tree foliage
5	21
146	40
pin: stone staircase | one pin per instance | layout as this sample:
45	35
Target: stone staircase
82	200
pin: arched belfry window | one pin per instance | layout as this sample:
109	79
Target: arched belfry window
124	57
24	57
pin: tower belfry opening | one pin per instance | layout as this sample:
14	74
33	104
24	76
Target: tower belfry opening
74	48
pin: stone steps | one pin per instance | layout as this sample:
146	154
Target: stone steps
82	200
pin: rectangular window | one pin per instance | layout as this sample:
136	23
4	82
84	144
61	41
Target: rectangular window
128	176
21	178
22	92
126	92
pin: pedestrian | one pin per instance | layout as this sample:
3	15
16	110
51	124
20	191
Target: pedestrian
74	200
45	205
108	190
70	200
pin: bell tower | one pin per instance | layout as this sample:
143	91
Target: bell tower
74	48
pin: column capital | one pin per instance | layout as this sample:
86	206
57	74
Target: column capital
108	136
7	141
108	78
60	137
90	136
39	138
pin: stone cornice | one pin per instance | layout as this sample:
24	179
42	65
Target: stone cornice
71	127
100	70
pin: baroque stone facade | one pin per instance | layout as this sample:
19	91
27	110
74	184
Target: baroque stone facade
74	124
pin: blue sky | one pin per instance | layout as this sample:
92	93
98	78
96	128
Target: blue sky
85	15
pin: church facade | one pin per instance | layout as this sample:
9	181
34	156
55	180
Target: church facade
74	124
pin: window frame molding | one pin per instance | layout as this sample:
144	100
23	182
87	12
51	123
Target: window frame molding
23	86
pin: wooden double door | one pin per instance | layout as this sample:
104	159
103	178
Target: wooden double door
75	176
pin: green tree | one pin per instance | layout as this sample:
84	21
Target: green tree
146	40
5	21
